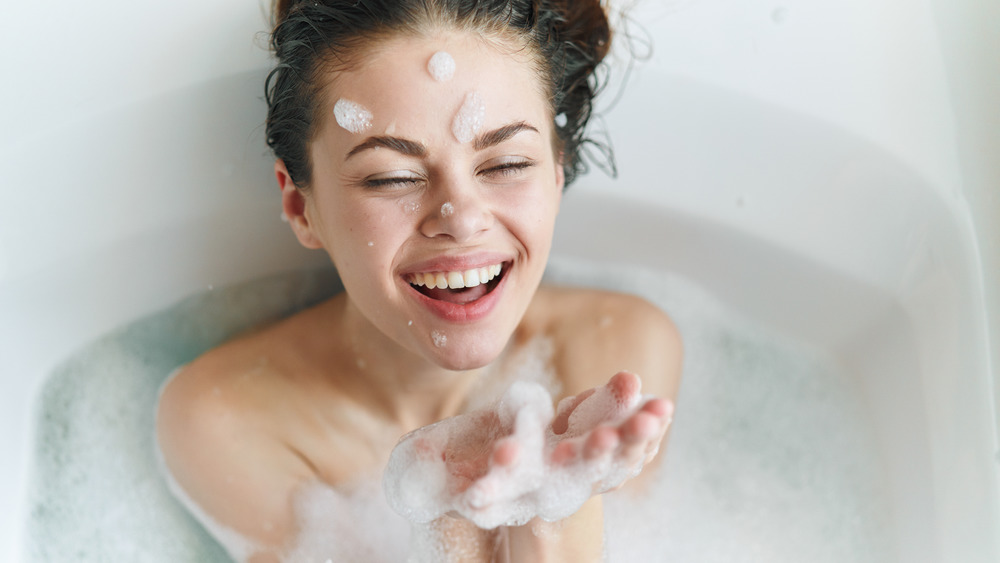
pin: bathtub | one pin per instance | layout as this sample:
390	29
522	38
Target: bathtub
822	170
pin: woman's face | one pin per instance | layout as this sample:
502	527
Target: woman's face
407	200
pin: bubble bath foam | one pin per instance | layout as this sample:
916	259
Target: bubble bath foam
771	457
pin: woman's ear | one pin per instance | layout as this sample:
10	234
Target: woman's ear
560	180
561	171
293	203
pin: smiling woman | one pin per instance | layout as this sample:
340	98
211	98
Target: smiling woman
435	195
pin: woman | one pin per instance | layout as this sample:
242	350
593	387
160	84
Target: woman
425	146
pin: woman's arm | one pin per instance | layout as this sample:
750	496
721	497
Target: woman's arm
237	473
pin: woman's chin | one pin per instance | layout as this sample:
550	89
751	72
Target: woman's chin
459	356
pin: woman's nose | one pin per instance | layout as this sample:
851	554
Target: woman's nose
459	210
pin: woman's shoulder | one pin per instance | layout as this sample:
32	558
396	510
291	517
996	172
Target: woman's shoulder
236	375
222	429
598	333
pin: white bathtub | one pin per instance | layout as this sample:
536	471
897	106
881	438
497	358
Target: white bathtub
823	170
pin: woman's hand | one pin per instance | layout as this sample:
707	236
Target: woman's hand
608	433
483	466
516	460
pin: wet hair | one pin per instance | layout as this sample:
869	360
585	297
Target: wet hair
567	40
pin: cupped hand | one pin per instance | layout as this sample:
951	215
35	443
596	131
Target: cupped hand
608	433
516	460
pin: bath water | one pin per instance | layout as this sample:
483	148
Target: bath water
770	458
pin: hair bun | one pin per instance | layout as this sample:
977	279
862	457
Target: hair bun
281	9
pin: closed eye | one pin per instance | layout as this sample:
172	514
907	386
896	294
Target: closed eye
392	182
507	169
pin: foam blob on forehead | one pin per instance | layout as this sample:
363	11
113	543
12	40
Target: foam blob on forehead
352	116
470	118
441	66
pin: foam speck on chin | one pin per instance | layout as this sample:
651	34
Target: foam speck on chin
441	66
440	339
352	116
470	118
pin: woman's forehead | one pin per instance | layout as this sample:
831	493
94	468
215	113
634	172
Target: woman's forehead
419	79
409	57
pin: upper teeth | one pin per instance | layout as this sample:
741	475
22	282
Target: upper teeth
456	280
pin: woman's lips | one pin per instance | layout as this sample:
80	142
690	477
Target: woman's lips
461	304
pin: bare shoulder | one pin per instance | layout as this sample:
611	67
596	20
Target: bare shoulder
223	452
599	333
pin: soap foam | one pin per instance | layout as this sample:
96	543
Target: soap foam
417	479
771	442
440	339
470	118
447	209
366	529
352	116
441	66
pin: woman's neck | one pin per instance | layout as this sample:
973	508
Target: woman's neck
408	389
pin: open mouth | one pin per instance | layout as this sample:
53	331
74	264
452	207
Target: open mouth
459	287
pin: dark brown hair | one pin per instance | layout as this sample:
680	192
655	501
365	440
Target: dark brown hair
566	38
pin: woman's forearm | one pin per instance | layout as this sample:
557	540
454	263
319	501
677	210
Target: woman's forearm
578	538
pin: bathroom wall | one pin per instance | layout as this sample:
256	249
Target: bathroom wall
970	42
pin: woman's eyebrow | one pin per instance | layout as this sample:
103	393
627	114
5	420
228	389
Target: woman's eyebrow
413	148
497	136
404	146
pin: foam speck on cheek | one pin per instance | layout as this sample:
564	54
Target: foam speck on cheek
441	66
470	118
352	116
447	209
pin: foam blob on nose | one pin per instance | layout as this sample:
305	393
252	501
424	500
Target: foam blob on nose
352	116
470	118
441	66
447	209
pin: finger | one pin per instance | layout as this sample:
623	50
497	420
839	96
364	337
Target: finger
506	453
625	385
641	428
663	408
601	441
566	407
565	452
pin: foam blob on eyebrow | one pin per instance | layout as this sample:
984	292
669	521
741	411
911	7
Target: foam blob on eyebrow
470	118
352	116
441	66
